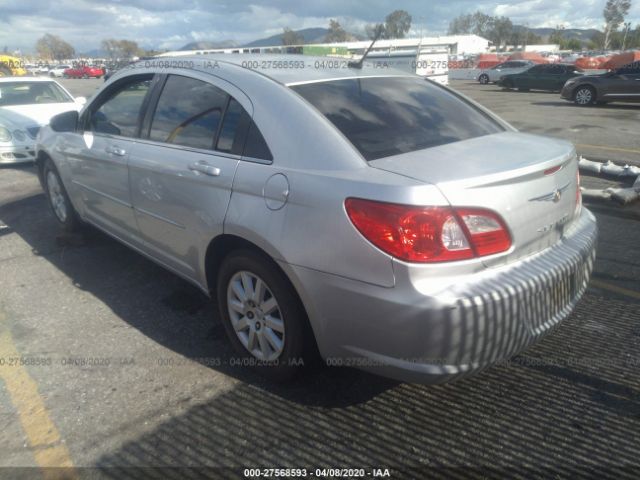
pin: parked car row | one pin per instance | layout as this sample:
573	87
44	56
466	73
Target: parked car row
66	71
573	83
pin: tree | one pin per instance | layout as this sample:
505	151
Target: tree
596	41
289	37
336	33
614	13
121	49
372	30
397	24
557	36
54	48
461	25
501	31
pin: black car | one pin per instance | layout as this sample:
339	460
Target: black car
621	85
551	77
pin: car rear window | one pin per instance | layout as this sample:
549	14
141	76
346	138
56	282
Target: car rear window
385	116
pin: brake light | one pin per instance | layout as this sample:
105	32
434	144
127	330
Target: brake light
429	234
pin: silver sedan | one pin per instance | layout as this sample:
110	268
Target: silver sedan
367	215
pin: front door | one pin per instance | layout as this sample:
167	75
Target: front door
99	164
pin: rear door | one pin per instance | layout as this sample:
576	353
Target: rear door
99	160
625	86
183	170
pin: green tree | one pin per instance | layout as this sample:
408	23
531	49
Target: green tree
372	30
289	37
614	13
53	47
501	31
336	33
397	24
121	49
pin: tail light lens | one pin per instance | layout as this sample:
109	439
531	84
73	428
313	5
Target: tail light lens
429	234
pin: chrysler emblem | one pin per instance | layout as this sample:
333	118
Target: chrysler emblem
554	196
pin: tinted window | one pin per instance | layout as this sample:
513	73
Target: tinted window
233	129
255	145
188	112
537	69
119	115
393	115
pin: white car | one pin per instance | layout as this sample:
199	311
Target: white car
58	70
26	104
510	67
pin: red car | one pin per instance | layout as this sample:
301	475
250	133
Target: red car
83	72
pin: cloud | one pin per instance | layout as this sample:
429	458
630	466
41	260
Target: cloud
169	24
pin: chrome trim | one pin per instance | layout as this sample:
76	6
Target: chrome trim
552	196
159	217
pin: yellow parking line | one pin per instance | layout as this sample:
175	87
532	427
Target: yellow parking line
615	289
613	149
43	436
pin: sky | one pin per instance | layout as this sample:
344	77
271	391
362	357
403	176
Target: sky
170	24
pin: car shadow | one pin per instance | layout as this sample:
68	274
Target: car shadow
608	106
548	408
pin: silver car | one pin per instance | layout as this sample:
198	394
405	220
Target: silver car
511	67
365	214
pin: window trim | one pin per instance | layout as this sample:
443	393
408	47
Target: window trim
108	94
152	105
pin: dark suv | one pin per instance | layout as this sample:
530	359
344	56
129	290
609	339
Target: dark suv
621	85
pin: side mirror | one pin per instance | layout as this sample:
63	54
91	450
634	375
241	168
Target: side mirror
81	100
65	122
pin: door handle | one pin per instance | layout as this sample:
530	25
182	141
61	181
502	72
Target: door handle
204	167
120	152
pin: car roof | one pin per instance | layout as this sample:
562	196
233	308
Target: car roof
287	69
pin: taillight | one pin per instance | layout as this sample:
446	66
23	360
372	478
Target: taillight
429	234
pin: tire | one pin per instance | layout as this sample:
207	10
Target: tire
5	72
584	96
58	198
85	76
274	341
483	79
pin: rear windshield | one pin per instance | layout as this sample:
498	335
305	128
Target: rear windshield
393	115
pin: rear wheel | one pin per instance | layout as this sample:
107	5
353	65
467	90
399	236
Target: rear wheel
584	96
59	199
5	72
262	315
483	79
85	76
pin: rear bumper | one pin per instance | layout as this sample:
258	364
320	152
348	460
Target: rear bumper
469	324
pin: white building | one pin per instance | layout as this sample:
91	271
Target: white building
454	44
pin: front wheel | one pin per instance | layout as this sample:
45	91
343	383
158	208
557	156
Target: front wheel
483	79
262	315
59	199
584	96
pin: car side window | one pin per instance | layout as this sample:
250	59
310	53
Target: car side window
188	112
120	113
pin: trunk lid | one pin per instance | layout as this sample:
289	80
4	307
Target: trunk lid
528	180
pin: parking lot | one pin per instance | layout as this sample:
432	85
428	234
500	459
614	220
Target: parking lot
113	363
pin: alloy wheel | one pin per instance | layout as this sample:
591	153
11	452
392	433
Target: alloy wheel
58	201
255	316
584	96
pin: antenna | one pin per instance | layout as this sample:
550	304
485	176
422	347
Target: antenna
358	64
